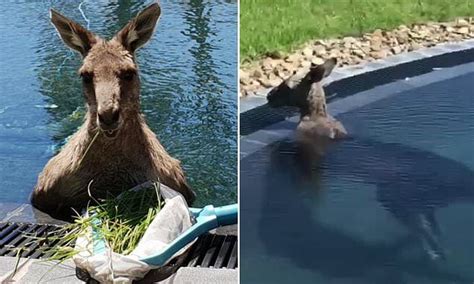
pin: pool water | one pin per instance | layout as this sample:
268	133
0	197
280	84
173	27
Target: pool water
392	204
189	83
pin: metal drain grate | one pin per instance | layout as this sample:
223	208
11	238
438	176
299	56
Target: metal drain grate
20	238
210	250
216	251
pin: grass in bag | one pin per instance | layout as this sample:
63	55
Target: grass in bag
124	220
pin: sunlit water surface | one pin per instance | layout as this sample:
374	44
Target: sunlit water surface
188	73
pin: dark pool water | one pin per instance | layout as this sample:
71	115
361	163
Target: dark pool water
188	88
394	204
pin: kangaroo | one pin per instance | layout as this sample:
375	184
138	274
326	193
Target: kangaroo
114	149
304	90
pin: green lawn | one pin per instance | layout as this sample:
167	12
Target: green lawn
270	25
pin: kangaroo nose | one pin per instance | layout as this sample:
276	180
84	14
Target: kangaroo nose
109	117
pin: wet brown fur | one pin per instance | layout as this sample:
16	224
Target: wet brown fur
111	165
304	90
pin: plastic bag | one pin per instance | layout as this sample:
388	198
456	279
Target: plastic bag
109	267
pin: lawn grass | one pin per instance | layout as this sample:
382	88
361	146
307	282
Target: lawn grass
267	26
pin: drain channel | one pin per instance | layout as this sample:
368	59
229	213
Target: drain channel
210	250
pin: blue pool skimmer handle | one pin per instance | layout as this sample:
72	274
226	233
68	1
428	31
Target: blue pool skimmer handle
226	215
207	218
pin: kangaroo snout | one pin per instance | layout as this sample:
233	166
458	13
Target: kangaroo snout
109	119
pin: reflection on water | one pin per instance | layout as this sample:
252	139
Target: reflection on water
189	83
394	204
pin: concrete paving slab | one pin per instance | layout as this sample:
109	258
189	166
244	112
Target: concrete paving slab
36	271
50	272
191	275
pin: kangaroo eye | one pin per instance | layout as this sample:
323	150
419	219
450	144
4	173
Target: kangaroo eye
87	77
127	75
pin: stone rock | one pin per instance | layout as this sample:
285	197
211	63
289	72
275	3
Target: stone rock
243	74
376	43
414	46
334	53
396	49
287	66
283	74
366	49
305	63
377	33
345	52
378	54
243	92
402	37
355	60
393	41
414	35
257	73
319	50
268	64
293	58
358	52
348	41
367	37
449	29
376	46
456	37
317	61
321	42
463	31
307	52
403	28
462	23
388	37
245	80
271	81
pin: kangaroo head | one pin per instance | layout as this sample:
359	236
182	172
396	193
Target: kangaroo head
109	72
302	90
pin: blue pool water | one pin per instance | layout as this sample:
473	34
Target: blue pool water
392	204
189	88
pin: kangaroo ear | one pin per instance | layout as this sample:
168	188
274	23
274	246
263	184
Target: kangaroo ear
319	72
140	29
73	34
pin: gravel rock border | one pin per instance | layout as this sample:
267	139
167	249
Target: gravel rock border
272	70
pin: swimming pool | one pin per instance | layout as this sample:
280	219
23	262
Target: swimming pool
189	84
392	204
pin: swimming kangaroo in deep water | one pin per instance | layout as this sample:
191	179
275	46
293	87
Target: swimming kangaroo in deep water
411	183
114	149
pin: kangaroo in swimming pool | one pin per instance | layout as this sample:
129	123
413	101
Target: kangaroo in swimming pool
304	90
411	183
114	149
